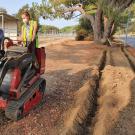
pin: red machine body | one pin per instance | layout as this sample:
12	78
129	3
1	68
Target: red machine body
22	87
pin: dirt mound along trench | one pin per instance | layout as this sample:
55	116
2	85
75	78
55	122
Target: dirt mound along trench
115	91
126	121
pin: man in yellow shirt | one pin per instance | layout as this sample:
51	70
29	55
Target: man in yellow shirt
29	35
29	30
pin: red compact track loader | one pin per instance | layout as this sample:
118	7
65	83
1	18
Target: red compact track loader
21	85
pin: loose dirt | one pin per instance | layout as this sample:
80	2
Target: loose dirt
115	95
86	94
67	70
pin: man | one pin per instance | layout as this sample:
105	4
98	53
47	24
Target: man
29	30
29	35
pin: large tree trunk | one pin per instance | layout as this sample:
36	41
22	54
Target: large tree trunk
97	26
108	29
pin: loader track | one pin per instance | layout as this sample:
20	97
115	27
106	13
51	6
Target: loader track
14	105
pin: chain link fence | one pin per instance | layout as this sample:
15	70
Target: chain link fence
45	38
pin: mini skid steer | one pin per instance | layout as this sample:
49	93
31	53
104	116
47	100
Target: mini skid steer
21	86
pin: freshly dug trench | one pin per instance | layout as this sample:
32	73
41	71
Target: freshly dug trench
84	101
82	111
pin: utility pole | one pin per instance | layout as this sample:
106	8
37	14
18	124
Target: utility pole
126	30
127	26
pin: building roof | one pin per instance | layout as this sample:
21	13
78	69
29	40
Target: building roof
7	17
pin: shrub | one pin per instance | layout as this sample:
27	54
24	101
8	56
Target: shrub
90	37
81	34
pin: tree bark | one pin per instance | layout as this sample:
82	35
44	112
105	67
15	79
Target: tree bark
97	26
108	29
113	30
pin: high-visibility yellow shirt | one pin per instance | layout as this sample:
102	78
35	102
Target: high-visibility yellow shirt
27	34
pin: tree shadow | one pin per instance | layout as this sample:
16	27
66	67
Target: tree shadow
61	80
60	95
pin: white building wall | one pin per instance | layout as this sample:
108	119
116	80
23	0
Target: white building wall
10	29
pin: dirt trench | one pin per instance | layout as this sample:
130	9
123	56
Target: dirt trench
113	106
89	92
116	96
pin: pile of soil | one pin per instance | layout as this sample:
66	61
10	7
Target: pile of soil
116	102
115	95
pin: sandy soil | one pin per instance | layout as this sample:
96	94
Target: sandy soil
67	68
125	124
115	95
115	115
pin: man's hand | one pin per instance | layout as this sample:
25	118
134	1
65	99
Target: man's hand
19	43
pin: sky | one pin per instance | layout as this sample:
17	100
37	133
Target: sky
12	6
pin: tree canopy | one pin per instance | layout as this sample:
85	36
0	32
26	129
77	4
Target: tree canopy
48	29
103	15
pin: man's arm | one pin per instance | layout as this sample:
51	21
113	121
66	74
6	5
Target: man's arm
35	31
